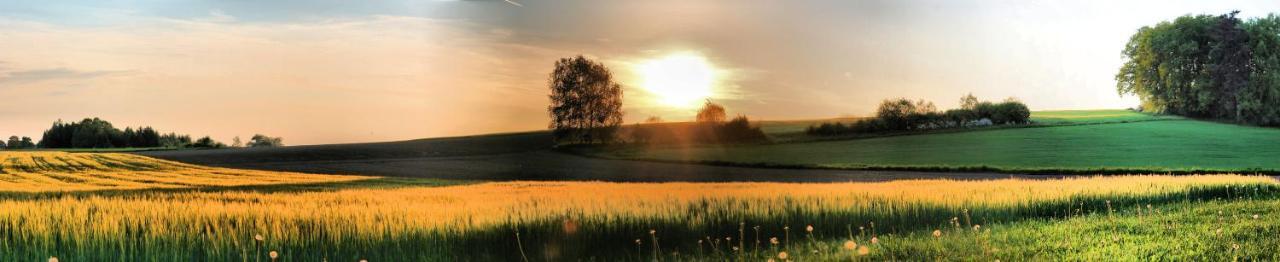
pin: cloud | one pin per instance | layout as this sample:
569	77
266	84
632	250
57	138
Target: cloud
39	75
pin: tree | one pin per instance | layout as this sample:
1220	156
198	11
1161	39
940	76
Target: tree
207	142
27	143
968	102
235	142
586	104
260	140
711	113
14	143
1258	100
1230	57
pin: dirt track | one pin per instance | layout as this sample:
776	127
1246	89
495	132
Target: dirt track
524	156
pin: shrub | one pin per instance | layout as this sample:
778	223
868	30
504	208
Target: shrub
739	130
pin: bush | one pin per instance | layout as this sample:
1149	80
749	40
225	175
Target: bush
739	130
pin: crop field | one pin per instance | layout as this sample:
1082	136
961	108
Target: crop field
1154	145
35	171
345	218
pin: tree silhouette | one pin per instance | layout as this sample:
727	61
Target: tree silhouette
586	104
711	113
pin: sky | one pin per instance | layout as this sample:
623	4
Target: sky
319	72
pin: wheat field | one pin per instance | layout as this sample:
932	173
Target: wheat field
90	206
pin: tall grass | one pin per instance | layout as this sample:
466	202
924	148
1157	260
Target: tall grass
379	221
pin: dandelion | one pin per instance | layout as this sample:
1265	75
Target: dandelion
863	250
1235	246
362	260
809	229
770	260
782	255
273	255
875	240
937	233
1255	216
850	245
53	259
773	240
651	231
257	237
977	227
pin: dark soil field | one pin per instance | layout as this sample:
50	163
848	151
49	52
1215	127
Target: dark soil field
520	156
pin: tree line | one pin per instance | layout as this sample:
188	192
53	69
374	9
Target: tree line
1206	66
902	114
98	133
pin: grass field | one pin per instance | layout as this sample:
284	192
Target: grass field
309	218
1093	141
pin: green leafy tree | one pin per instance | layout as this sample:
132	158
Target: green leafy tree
260	140
586	103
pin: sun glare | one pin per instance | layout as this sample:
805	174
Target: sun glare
679	80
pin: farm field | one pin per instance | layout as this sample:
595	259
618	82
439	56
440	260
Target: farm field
434	220
508	157
381	219
1084	142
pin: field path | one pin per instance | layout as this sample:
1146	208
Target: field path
523	156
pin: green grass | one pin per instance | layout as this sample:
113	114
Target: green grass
1170	145
1070	117
1213	230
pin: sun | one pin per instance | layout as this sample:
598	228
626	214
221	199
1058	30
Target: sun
678	80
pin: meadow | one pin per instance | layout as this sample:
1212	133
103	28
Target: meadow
1109	141
347	218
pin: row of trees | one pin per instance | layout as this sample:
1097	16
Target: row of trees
905	115
18	143
98	133
1206	66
